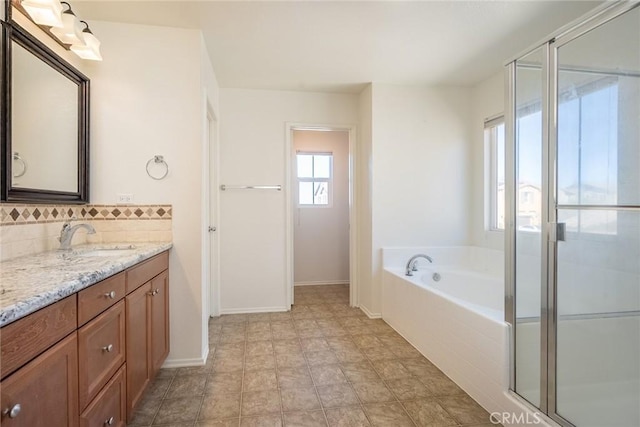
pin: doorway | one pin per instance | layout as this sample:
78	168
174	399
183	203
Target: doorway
320	211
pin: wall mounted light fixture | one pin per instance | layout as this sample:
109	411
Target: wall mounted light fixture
44	12
62	25
71	30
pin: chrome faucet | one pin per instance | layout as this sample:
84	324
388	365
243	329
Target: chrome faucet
67	232
411	265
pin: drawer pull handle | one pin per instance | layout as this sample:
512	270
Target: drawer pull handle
13	411
110	421
111	294
154	292
108	348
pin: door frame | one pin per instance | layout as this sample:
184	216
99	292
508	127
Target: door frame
289	153
210	213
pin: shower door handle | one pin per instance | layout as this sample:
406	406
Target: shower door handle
561	231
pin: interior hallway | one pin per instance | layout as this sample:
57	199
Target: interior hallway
321	364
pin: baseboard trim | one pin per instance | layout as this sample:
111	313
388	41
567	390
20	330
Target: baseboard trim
322	282
252	310
369	314
185	363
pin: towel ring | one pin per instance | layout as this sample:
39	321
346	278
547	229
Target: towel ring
16	156
158	160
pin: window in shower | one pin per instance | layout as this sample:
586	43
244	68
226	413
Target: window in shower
588	150
494	139
314	179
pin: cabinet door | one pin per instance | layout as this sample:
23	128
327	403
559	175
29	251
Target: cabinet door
44	392
138	305
159	322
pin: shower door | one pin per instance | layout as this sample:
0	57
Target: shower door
595	331
573	235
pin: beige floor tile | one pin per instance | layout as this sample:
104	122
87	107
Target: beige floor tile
314	344
464	409
291	360
259	362
337	395
220	406
408	388
359	372
259	347
259	336
264	421
378	353
373	391
233	328
260	403
324	357
439	384
158	388
299	399
287	346
294	377
224	382
232	422
191	370
347	417
391	369
261	326
260	380
227	365
428	413
305	419
327	374
365	341
180	410
187	386
146	412
350	356
387	415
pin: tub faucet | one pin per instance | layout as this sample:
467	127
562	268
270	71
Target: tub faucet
411	265
67	232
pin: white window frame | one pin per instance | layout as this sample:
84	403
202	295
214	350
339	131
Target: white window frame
491	141
329	180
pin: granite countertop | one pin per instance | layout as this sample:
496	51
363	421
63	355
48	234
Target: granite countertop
32	282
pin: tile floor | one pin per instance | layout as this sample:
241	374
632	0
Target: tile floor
322	364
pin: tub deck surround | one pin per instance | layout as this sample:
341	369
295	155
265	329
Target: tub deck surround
32	282
453	322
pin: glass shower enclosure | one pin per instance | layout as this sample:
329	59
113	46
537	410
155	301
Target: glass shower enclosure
573	232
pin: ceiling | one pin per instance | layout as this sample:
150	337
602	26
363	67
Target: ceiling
340	46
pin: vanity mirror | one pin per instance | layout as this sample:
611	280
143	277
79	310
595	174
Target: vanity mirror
45	123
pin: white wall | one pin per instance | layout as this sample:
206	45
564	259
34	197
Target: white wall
364	155
487	100
146	99
252	223
420	173
321	233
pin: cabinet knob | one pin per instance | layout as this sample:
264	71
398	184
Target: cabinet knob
110	421
108	348
157	291
111	294
13	411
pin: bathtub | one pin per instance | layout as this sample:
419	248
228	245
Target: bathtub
457	322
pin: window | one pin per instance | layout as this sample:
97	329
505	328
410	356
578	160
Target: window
314	178
494	138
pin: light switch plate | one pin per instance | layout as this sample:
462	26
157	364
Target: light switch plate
124	198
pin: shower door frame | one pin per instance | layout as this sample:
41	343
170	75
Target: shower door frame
549	256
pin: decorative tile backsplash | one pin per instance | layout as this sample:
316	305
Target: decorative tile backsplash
13	214
30	229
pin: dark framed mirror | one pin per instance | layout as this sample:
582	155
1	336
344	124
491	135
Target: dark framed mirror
45	123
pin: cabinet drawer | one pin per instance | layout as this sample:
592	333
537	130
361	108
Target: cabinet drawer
109	406
97	298
26	338
101	351
147	270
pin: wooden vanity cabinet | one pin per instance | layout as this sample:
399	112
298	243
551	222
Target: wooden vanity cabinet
44	392
147	314
54	374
